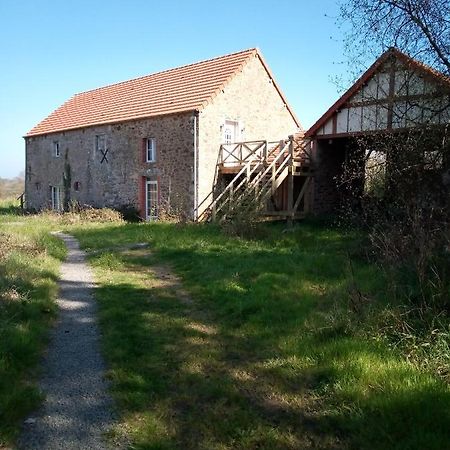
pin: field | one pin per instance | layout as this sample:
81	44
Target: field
219	342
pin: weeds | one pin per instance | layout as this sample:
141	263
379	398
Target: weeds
29	261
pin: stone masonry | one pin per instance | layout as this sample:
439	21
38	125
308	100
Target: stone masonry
116	182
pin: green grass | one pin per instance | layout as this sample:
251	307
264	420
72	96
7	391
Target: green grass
29	262
260	355
251	348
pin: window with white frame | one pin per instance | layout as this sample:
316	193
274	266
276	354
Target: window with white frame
56	151
231	131
55	193
150	149
151	200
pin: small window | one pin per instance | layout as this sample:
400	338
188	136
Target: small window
150	149
100	143
77	186
56	151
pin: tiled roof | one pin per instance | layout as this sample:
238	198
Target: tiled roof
420	67
184	88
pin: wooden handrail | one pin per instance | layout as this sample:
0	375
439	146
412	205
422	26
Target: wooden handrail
256	159
254	183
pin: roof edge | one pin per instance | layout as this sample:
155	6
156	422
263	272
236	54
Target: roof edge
350	91
62	130
407	60
277	87
254	52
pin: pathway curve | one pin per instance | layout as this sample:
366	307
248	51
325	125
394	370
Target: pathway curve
77	409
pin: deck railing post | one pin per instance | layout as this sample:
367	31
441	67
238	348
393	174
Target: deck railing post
290	199
291	146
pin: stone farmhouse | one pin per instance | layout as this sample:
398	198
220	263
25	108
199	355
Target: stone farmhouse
153	142
218	136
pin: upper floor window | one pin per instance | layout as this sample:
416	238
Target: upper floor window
56	151
100	142
231	131
150	149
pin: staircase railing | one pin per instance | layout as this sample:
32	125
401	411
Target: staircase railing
266	181
250	154
243	186
263	168
242	152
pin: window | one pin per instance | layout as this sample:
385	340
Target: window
231	132
151	200
228	135
56	151
150	148
100	143
55	192
77	186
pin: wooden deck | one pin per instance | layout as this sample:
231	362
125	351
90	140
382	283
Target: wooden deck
261	175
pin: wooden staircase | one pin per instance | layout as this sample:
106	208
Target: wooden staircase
259	168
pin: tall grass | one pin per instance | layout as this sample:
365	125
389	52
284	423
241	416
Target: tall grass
267	353
29	261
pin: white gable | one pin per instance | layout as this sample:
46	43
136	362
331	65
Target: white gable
395	96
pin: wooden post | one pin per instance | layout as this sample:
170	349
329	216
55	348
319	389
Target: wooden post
290	180
272	178
21	199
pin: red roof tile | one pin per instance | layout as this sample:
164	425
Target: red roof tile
184	88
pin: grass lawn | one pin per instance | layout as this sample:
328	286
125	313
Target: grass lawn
29	264
250	348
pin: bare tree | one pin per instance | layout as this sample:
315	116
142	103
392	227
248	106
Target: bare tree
420	28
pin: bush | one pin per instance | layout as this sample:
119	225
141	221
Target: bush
405	210
130	213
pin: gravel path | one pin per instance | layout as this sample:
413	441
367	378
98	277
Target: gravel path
77	409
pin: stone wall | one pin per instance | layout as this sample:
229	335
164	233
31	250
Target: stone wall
118	181
251	99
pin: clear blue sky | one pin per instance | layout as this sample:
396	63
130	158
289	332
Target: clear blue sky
53	49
